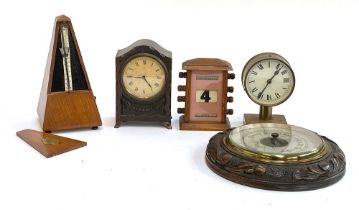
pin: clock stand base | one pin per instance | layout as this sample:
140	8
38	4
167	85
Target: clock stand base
254	118
204	126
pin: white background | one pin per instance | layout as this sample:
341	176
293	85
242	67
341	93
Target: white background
149	167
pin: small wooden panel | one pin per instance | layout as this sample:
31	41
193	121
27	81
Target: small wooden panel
204	126
47	144
68	110
254	118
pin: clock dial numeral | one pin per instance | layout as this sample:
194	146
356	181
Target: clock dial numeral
254	73
269	97
137	64
157	85
285	80
251	81
279	67
144	62
277	95
130	83
254	90
269	64
260	66
136	88
284	72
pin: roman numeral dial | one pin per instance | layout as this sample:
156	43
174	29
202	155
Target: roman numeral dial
143	77
273	80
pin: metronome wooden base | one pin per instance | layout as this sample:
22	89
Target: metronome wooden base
69	110
254	118
204	126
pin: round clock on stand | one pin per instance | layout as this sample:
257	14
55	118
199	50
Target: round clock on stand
268	80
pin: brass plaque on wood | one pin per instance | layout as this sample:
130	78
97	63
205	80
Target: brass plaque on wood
47	144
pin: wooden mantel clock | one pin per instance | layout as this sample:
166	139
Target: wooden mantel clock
66	100
143	83
205	94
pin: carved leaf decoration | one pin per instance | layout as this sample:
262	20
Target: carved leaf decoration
215	156
248	169
305	175
334	165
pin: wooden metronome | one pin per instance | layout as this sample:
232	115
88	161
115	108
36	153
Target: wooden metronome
66	100
205	94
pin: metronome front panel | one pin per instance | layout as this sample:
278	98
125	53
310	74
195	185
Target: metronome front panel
68	110
76	72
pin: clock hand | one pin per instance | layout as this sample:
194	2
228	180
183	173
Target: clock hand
147	82
269	81
133	77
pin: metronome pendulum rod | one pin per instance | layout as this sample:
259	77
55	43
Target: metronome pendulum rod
66	57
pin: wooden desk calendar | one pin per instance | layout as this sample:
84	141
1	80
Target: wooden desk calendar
66	99
205	94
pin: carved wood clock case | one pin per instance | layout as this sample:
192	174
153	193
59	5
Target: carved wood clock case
143	83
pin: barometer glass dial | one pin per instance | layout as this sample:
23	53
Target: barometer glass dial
276	142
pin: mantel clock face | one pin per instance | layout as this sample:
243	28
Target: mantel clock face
143	83
144	77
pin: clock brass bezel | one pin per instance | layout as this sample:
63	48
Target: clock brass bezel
257	59
154	97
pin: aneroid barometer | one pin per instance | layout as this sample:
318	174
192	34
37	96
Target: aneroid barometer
276	156
268	80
